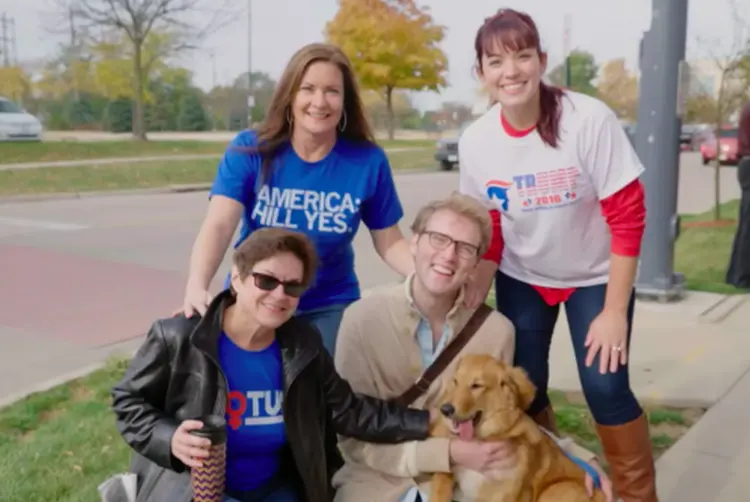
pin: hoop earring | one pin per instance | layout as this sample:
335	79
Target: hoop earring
342	123
289	117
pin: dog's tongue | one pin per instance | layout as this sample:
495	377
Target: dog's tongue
466	430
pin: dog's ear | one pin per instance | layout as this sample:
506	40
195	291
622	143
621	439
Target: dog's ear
526	389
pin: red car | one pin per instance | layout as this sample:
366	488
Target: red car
728	147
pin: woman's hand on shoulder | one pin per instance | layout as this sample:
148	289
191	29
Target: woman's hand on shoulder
479	283
196	301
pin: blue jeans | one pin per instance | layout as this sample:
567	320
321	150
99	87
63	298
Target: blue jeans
609	396
327	320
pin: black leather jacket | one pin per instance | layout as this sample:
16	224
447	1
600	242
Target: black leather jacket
175	376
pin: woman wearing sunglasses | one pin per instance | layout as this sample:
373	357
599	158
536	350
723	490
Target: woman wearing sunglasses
265	370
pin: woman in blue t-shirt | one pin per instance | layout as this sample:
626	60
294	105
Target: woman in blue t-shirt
248	360
312	166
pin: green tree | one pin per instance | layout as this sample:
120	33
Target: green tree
192	117
377	108
583	71
393	44
700	108
152	30
15	83
619	89
119	115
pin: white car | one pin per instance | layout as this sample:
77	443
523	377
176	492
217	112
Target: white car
16	124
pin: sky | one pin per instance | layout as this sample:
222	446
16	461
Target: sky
607	28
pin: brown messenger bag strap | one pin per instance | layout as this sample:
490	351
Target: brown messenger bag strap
445	357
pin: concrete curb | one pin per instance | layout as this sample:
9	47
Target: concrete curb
722	309
120	348
51	383
196	187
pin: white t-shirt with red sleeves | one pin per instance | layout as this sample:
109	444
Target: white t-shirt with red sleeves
554	231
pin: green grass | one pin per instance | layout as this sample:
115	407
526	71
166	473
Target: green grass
12	153
574	420
702	251
134	175
51	151
407	143
59	445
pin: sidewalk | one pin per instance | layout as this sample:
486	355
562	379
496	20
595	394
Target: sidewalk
683	358
712	461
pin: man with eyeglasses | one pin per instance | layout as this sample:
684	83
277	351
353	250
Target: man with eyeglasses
389	338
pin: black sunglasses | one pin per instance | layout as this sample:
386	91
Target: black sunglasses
269	283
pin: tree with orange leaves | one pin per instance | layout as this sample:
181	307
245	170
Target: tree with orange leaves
393	44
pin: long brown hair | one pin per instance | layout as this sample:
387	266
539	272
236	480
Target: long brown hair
516	31
275	131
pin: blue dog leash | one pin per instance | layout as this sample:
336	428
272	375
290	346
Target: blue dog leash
580	463
586	467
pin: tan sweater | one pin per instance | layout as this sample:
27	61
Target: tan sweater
378	353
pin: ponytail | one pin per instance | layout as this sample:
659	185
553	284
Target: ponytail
550	111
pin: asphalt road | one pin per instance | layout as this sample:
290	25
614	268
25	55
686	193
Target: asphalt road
81	274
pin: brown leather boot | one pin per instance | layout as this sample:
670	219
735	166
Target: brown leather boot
627	448
546	419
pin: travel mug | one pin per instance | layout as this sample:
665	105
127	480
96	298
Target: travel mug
208	481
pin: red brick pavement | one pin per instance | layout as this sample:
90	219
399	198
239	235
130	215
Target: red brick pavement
80	299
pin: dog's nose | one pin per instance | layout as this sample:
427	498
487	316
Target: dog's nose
448	410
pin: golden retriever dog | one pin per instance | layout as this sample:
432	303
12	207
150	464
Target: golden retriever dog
486	400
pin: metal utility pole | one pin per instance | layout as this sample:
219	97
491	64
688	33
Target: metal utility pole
74	52
5	24
566	49
14	40
663	90
250	97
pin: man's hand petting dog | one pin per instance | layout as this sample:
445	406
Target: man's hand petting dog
494	459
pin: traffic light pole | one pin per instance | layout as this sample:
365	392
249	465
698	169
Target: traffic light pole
663	90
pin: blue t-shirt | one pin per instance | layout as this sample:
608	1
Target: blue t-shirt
255	423
326	200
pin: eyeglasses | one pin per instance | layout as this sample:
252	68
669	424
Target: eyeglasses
267	282
441	241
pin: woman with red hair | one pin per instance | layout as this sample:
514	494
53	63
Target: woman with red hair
561	179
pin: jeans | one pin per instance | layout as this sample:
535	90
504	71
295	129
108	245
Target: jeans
609	396
327	320
738	272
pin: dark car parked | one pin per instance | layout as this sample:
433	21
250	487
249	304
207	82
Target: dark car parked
447	149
